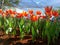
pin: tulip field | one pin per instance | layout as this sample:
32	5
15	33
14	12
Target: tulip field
36	26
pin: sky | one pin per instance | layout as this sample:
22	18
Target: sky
38	3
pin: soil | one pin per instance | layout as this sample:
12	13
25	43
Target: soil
27	40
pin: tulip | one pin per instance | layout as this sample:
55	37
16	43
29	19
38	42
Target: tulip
25	14
12	15
31	15
34	18
38	12
4	14
42	17
55	13
30	11
1	11
19	15
10	11
48	11
7	12
14	12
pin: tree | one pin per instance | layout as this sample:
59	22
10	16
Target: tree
8	2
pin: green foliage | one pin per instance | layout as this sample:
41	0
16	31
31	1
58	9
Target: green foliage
8	3
51	31
21	24
59	11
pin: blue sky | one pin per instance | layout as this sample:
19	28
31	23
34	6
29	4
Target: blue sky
36	4
39	3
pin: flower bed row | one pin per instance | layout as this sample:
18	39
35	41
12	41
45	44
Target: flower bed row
36	24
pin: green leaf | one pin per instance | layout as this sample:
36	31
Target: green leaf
21	22
14	32
33	33
20	29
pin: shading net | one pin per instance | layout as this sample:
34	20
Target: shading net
38	3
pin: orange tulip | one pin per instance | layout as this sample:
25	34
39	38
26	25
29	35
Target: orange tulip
30	11
12	15
25	14
3	14
34	18
38	12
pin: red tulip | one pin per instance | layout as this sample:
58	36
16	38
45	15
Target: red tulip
48	11
19	15
14	12
34	18
1	11
4	14
31	15
30	11
38	12
42	17
10	11
25	14
55	13
7	12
